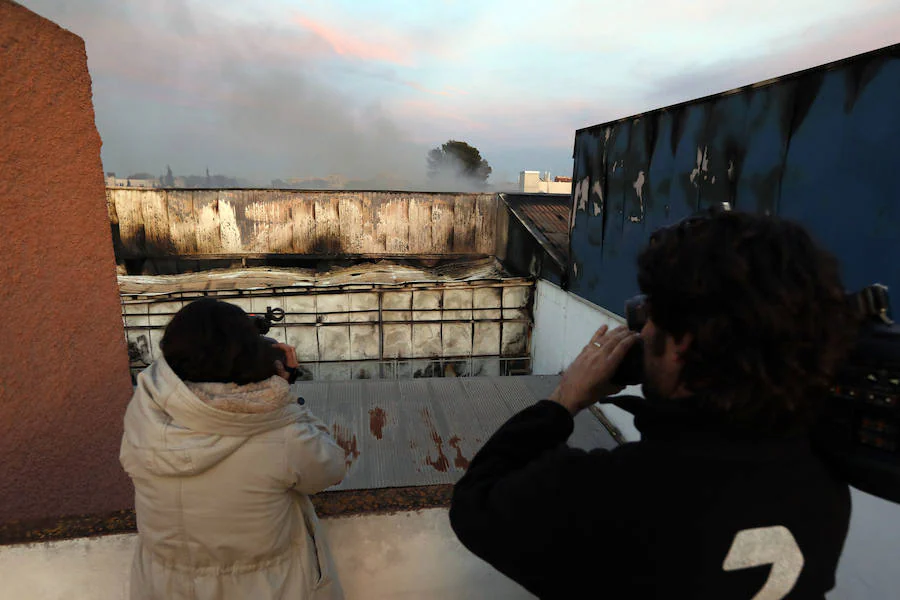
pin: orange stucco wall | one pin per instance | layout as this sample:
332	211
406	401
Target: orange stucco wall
64	380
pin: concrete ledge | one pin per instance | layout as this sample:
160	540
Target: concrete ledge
328	504
404	555
380	501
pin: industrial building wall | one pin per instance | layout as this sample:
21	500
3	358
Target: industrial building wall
64	374
208	223
371	332
818	147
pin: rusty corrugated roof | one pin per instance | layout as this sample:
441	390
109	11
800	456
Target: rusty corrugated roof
546	216
425	431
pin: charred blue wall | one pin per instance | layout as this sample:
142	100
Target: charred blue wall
821	147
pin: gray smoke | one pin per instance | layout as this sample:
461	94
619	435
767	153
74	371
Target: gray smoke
184	86
173	87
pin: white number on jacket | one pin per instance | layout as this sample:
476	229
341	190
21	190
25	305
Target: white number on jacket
774	546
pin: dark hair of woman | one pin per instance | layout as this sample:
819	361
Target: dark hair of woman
211	340
766	309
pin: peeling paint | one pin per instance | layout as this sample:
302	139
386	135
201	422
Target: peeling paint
207	228
639	190
598	190
581	193
258	211
702	164
228	228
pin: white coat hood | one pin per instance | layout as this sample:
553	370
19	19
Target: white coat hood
178	428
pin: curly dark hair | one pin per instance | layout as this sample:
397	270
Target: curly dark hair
765	307
211	340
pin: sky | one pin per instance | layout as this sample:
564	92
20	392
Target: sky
289	88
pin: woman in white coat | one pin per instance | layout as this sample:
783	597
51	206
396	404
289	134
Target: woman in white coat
223	461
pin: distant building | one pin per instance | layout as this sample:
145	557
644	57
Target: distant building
121	182
331	182
531	182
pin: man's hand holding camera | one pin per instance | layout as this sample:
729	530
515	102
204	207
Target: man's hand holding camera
588	378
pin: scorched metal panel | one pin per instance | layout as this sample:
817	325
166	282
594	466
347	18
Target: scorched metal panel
819	147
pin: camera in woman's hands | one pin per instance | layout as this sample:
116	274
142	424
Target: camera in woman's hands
263	324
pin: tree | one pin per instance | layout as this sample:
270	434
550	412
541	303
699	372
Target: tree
458	159
169	179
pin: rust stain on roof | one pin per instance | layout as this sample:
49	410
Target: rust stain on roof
461	462
416	447
346	440
376	421
441	464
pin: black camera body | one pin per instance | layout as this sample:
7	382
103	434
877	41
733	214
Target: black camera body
631	370
263	324
857	426
857	431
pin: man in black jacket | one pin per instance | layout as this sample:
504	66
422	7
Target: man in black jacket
722	497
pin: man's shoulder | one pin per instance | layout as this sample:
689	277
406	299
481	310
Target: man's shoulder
705	464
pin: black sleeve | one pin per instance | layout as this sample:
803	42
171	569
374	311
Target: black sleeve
525	502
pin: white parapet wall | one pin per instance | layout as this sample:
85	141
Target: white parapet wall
563	325
378	557
404	555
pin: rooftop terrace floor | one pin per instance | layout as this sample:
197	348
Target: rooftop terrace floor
406	442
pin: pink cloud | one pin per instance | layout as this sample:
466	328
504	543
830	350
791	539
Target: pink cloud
349	45
458	91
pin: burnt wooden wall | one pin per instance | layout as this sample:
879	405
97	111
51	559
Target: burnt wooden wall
207	223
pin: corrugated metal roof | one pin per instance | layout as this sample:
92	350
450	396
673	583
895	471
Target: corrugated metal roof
425	431
384	273
547	217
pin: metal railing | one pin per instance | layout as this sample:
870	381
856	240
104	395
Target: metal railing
414	368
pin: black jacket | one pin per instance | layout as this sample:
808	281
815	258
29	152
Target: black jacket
655	518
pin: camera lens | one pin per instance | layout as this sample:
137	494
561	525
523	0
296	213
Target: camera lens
636	312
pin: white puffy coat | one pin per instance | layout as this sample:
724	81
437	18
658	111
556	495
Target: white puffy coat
221	475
